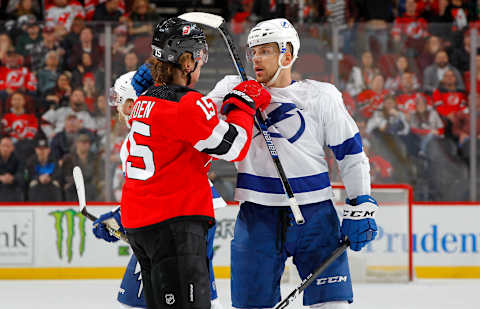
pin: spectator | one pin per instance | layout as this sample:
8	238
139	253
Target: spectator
62	142
425	124
433	45
388	119
30	41
92	169
48	75
342	14
87	44
409	31
90	89
460	13
433	74
460	55
17	123
5	46
407	94
54	120
59	96
91	5
140	19
72	38
49	43
11	173
369	100
375	15
108	11
120	48
448	98
62	13
361	75
42	174
25	7
85	66
130	62
393	83
15	77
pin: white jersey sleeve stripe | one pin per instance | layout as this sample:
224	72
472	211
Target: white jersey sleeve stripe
236	146
215	138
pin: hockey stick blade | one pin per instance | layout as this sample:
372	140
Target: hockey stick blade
80	186
310	278
218	23
206	19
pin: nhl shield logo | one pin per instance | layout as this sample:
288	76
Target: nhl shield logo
186	30
169	299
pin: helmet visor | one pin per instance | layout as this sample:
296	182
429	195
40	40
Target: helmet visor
198	48
261	51
114	97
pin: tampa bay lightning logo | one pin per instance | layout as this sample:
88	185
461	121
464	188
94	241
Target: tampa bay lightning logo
281	113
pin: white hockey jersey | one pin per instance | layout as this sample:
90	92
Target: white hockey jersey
301	119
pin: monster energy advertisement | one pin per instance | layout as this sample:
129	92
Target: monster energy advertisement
69	223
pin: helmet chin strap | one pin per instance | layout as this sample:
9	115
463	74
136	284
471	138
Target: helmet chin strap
280	67
189	74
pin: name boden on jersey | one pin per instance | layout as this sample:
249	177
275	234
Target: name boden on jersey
142	109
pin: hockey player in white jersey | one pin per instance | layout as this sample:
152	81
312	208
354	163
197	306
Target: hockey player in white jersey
130	294
303	117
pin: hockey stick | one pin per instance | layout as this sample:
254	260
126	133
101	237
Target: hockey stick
80	186
310	278
217	22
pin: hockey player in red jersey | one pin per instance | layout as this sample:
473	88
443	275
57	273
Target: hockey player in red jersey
166	199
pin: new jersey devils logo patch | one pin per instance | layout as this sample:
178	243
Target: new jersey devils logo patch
186	30
169	299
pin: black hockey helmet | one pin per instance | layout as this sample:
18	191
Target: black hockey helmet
175	36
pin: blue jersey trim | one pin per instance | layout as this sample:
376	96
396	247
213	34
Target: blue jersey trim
274	185
350	146
214	192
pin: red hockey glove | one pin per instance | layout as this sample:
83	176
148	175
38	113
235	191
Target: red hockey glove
247	96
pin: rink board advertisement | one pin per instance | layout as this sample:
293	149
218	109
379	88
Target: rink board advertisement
56	241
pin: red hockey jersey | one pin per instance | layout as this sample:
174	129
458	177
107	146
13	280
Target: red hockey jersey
174	133
19	126
447	102
369	101
406	101
15	78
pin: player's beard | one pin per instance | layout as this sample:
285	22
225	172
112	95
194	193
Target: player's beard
265	77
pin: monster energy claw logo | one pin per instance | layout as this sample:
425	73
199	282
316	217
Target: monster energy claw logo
69	216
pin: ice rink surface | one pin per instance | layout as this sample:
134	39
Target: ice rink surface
101	294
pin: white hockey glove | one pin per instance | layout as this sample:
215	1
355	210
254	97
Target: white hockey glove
359	221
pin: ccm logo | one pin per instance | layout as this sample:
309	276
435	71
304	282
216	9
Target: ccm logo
329	280
358	213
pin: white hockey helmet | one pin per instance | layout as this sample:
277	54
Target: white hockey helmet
278	30
122	90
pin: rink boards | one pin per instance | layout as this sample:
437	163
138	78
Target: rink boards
56	242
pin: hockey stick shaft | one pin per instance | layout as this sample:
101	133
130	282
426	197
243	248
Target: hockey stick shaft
310	278
80	186
218	23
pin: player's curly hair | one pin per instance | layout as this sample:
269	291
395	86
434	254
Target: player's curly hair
162	72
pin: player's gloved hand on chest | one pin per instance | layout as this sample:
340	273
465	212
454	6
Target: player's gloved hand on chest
113	219
359	221
247	96
142	79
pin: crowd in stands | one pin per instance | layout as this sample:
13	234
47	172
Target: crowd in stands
404	71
